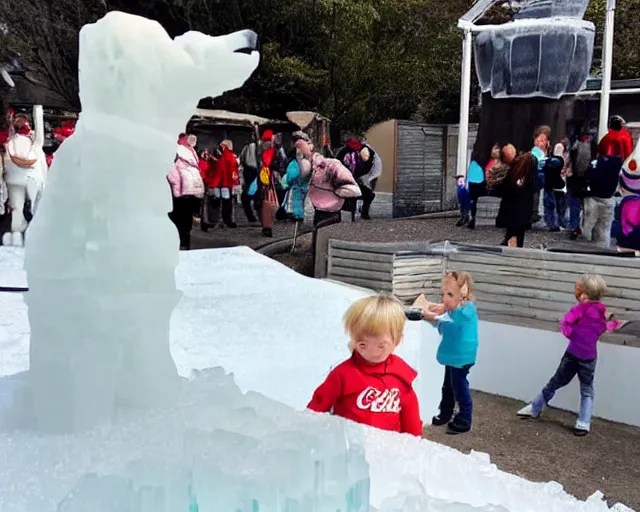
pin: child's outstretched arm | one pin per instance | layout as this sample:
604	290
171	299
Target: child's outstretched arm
410	422
569	320
326	395
613	324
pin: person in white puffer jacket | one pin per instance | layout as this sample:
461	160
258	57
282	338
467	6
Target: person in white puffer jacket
25	171
187	188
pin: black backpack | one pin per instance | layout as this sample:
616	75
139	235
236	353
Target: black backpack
602	178
552	170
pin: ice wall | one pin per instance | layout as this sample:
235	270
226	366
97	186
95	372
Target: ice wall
232	451
101	253
546	51
221	450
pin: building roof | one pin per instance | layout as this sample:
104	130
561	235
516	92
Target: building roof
227	117
27	93
304	118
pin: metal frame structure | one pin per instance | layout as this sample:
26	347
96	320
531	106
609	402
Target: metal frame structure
467	24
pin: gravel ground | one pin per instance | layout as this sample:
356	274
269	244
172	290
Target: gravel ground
546	449
245	234
417	229
434	229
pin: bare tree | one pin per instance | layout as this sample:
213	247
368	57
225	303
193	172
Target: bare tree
44	34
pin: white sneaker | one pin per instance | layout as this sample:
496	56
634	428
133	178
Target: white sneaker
581	425
6	239
527	412
16	239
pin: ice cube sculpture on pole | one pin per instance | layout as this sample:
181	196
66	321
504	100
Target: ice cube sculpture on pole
546	51
101	254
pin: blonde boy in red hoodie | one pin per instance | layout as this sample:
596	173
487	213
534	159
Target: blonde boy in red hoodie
373	386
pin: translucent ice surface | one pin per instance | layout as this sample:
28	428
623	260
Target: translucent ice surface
547	57
222	450
101	254
546	51
165	457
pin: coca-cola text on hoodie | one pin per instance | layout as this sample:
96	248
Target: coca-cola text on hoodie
380	395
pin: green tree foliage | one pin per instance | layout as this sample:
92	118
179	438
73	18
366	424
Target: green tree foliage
357	61
626	52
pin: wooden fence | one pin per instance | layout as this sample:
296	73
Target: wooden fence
404	269
524	287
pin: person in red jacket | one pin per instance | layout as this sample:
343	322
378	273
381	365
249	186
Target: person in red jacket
220	177
373	386
618	141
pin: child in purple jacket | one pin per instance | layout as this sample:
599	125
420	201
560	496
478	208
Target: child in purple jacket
582	325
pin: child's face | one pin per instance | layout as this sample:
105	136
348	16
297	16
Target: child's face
451	296
580	294
541	141
375	348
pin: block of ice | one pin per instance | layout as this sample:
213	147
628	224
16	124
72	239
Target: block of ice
546	51
219	449
548	57
535	9
224	455
101	253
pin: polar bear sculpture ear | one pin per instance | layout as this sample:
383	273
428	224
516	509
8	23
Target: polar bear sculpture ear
224	57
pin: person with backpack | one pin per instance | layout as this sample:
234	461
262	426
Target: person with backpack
555	206
581	155
602	179
248	176
540	150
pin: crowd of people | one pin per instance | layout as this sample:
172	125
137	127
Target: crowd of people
374	386
270	183
575	181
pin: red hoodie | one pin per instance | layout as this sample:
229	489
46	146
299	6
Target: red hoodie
616	143
379	395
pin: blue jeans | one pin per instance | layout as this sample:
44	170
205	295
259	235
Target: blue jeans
575	208
464	199
455	388
569	367
555	209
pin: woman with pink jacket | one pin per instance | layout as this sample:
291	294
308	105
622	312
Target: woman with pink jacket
331	183
187	188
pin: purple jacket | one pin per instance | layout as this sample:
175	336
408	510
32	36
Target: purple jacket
583	325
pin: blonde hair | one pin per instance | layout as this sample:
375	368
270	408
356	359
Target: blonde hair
463	280
376	315
593	285
228	144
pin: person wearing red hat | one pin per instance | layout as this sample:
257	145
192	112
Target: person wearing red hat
259	164
366	166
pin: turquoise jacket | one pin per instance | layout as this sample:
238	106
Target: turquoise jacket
475	174
459	343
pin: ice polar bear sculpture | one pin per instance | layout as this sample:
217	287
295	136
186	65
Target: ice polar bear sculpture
101	253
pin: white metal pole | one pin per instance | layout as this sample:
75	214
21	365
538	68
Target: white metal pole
607	62
465	93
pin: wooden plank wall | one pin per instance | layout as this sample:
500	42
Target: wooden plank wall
404	269
415	273
364	265
534	288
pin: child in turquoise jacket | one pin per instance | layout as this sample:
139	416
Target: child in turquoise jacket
457	321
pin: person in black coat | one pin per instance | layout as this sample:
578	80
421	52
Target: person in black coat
517	192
